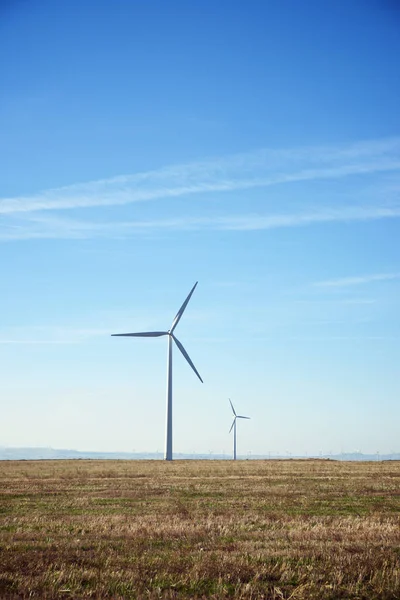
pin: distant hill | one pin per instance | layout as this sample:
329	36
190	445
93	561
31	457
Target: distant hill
59	454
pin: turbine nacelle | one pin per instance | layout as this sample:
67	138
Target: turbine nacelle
170	332
236	415
233	426
171	337
234	421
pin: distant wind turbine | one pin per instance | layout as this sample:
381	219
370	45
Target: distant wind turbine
233	426
171	337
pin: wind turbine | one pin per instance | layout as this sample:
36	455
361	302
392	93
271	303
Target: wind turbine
171	338
233	426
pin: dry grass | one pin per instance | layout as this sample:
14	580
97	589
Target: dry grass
192	529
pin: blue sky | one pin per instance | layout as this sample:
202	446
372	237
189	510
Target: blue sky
252	146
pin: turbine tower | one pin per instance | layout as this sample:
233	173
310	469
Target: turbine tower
171	338
234	428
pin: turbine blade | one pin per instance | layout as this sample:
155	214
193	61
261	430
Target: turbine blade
241	417
144	334
186	355
233	410
181	310
232	424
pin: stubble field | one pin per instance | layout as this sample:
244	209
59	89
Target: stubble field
200	529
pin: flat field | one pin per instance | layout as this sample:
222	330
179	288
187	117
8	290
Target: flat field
200	529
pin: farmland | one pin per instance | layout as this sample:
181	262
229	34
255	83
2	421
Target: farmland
200	529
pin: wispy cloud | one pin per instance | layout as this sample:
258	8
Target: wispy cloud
359	280
44	215
64	228
336	302
300	219
237	172
345	338
51	335
35	342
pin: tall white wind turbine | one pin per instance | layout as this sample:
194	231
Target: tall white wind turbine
233	426
171	337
